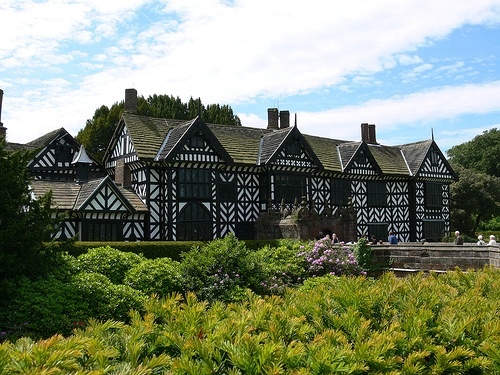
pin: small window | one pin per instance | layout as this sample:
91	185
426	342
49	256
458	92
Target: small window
433	194
376	194
289	187
293	149
226	191
197	141
102	231
340	192
434	158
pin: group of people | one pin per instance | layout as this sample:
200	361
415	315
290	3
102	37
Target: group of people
480	240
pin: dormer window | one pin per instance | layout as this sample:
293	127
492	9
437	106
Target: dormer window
434	158
197	141
293	149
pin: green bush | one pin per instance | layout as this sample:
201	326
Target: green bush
42	308
105	299
280	266
155	276
110	262
220	270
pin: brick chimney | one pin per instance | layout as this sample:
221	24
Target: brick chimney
284	119
3	130
368	133
122	174
272	118
131	100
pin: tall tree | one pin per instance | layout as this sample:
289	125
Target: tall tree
475	197
481	154
99	130
25	222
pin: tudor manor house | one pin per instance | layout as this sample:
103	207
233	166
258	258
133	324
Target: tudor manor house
167	180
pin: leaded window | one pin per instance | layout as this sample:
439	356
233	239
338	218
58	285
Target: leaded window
102	231
289	187
376	194
433	194
340	192
194	183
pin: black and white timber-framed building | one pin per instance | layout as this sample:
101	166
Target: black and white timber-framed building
190	180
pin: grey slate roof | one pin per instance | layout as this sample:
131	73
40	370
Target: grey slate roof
70	196
155	138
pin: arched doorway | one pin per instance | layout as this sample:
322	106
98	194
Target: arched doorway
194	223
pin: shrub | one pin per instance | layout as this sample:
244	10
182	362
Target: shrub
326	257
110	262
105	299
42	308
280	267
159	276
222	269
363	252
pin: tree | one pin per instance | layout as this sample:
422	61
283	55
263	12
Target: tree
475	197
25	222
480	154
98	131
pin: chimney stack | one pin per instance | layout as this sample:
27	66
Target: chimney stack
3	130
368	134
272	118
284	119
131	100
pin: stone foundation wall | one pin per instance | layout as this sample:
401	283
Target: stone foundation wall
435	256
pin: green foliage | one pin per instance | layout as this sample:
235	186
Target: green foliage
97	133
363	253
280	266
150	249
155	276
435	324
474	198
105	299
110	262
221	269
41	308
479	154
25	222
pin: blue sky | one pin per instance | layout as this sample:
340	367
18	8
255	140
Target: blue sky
412	68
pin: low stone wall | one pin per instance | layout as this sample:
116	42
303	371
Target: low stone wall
415	257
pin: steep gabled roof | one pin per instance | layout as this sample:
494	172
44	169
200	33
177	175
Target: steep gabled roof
179	135
240	142
346	151
415	153
389	159
69	196
47	138
326	151
64	193
270	144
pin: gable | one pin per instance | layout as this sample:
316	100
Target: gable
435	165
362	162
103	197
58	153
288	149
192	142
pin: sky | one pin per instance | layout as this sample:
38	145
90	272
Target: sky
415	69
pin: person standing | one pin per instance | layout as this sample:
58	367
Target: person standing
458	240
393	240
493	241
480	240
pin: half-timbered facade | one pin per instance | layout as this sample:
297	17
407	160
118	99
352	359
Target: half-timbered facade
189	180
201	181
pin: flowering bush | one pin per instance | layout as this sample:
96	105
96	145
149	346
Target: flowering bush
325	257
